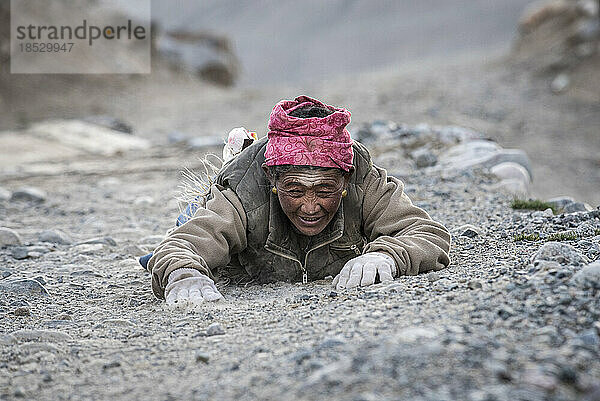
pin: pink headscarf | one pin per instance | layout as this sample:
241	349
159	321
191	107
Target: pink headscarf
315	141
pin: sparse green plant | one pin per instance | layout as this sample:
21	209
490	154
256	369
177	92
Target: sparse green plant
527	237
531	204
597	231
567	236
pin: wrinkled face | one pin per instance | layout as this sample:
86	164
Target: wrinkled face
311	198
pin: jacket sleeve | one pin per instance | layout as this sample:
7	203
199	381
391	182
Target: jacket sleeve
394	225
205	242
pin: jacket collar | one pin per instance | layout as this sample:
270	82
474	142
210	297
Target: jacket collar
283	237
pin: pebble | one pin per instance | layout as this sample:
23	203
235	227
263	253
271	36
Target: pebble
4	194
143	201
511	170
99	240
20	253
474	285
28	194
41	335
433	276
214	329
560	83
22	311
560	202
564	254
55	236
4	272
577	207
88	248
423	157
24	287
588	277
9	237
202	357
468	230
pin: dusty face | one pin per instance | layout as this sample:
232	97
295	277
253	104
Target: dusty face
311	198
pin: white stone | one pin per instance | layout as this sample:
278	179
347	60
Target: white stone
9	237
511	170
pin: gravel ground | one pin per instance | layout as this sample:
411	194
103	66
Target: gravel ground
495	325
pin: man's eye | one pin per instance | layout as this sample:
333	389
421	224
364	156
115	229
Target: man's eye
324	194
295	193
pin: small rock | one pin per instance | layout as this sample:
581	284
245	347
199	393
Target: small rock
589	337
577	207
414	333
423	157
88	248
7	339
20	253
588	277
55	237
4	194
468	230
134	250
143	201
560	202
111	364
41	335
562	253
505	311
511	170
215	329
332	294
515	187
331	343
22	311
63	316
474	285
28	194
4	272
560	83
202	357
433	276
23	287
9	237
99	240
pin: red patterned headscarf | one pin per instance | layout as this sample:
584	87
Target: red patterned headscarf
315	141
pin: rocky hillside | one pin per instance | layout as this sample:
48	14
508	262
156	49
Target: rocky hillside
516	316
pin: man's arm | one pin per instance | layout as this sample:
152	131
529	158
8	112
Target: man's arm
203	243
395	226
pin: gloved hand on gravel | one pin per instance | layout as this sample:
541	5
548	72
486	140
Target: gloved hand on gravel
190	286
362	270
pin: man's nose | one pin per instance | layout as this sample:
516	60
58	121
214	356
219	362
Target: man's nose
310	205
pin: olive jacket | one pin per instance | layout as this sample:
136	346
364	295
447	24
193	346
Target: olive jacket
243	230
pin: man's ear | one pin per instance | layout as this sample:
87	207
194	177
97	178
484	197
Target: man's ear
348	176
268	173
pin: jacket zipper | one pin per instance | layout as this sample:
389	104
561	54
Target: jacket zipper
348	248
304	275
303	266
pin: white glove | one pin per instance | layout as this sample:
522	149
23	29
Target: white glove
189	285
363	269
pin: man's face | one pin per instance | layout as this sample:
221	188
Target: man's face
311	198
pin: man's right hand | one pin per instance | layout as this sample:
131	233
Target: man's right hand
190	286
